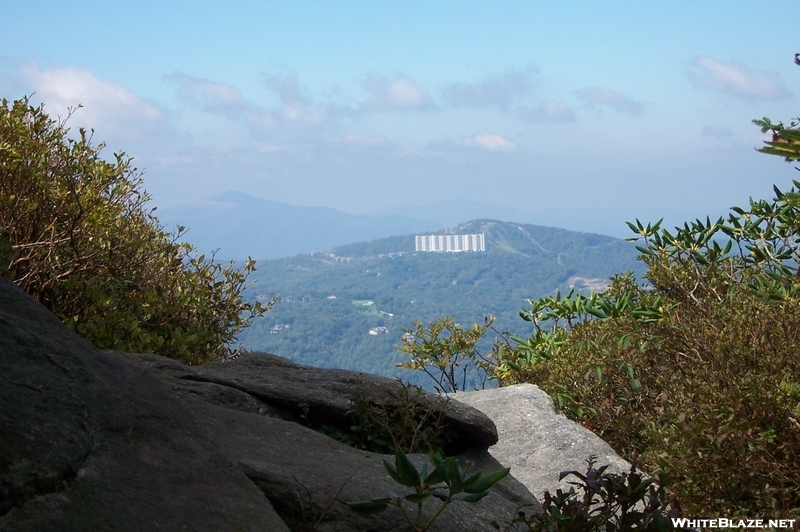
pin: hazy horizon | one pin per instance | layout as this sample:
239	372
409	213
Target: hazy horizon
584	115
466	210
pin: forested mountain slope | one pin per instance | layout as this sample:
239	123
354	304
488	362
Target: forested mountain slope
331	301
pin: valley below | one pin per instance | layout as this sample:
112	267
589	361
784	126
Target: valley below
348	307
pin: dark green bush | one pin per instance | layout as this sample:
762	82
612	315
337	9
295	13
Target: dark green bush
85	244
604	502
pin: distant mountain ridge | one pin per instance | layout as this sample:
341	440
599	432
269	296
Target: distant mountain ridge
240	225
525	239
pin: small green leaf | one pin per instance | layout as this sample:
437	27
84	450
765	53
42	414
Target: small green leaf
415	498
437	476
453	475
471	480
596	311
392	472
483	483
624	341
406	472
374	506
471	497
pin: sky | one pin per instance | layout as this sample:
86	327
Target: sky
582	114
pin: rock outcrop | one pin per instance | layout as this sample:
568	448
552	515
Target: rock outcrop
91	440
537	441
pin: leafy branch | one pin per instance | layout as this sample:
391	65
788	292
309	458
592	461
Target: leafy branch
429	485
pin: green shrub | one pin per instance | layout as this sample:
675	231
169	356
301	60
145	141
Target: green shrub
406	420
85	244
446	352
426	486
605	502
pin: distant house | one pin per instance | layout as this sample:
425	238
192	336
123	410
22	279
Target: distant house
378	330
450	243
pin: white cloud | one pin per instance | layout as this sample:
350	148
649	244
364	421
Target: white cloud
294	109
737	80
222	99
108	107
494	90
546	111
398	93
295	105
215	97
597	97
491	142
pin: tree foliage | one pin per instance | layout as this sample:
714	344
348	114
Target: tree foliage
785	139
80	238
445	352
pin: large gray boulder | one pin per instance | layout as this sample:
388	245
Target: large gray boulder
275	386
538	442
307	476
88	442
94	440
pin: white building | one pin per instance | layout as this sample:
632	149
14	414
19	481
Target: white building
451	243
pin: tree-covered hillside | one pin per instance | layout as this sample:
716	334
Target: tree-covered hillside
330	301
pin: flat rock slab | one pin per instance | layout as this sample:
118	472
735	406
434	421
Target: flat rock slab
537	441
252	403
281	388
309	478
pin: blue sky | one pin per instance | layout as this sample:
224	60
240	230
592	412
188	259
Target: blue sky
582	114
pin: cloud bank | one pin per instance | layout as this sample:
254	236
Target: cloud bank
107	106
736	79
398	93
597	97
491	143
546	111
496	90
